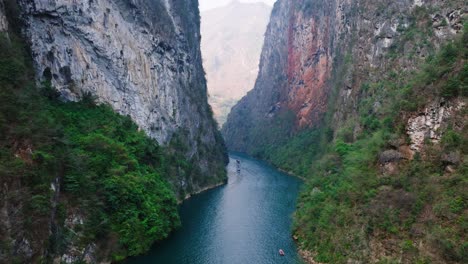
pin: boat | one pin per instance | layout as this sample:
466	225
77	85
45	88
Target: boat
281	252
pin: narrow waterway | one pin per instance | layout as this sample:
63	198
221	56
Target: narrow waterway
246	221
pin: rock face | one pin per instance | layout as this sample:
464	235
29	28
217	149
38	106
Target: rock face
232	38
428	125
266	97
141	57
296	63
311	47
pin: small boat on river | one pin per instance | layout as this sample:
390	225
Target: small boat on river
281	252
238	166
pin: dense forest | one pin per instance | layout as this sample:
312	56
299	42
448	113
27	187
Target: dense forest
101	165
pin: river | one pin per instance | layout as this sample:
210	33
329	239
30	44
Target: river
245	221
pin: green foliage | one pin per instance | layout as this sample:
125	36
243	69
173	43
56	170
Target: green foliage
446	72
451	140
114	170
347	199
106	167
296	154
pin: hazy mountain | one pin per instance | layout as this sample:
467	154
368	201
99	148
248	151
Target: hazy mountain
232	39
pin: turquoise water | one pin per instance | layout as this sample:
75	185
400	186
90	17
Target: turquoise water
246	221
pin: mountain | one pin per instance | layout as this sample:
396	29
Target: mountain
105	125
366	100
232	38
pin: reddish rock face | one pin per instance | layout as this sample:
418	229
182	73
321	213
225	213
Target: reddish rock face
292	86
309	67
314	47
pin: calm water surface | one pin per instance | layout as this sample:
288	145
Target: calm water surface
245	221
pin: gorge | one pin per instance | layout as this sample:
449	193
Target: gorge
245	221
106	131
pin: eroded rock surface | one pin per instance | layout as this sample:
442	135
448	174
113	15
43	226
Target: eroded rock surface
430	124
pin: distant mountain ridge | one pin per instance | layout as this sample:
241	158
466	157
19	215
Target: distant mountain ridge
232	39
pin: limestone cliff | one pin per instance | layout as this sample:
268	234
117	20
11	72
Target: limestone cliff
307	45
143	59
295	65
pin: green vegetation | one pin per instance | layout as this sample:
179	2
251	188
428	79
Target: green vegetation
115	171
109	173
349	205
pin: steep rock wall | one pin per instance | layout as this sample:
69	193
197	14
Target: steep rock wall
311	47
3	18
295	67
141	57
265	99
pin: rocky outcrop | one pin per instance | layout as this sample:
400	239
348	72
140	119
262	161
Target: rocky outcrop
431	123
141	57
390	156
451	158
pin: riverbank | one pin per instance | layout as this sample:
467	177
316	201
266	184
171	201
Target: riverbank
290	173
210	187
307	256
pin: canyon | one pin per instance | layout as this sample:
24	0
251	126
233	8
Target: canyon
105	126
307	44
